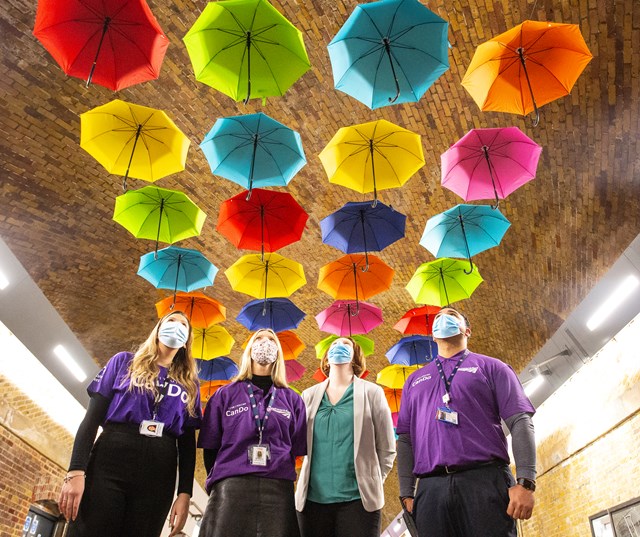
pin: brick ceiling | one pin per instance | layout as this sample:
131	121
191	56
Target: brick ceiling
568	225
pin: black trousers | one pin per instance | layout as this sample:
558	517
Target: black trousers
129	486
465	504
343	519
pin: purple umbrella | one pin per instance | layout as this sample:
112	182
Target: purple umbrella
343	318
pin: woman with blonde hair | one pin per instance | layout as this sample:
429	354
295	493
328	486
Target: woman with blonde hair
350	449
148	405
252	431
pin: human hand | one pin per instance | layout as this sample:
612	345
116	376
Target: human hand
178	514
521	503
408	504
71	494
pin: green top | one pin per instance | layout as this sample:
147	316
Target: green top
333	472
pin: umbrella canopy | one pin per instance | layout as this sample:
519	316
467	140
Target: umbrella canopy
412	350
526	67
489	163
245	49
389	52
345	318
221	369
201	310
266	222
115	44
212	342
291	344
210	387
394	397
133	141
253	150
418	320
443	281
271	276
372	156
294	370
278	314
394	376
464	231
319	375
366	344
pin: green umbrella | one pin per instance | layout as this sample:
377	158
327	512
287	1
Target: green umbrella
443	281
365	343
246	48
158	214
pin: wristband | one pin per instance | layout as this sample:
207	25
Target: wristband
526	483
68	478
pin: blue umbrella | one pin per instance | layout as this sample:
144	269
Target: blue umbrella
254	151
180	269
390	51
222	368
278	314
361	227
413	350
464	231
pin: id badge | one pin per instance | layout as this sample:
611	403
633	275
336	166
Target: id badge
259	455
151	428
447	415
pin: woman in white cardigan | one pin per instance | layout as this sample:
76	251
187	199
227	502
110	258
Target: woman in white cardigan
350	449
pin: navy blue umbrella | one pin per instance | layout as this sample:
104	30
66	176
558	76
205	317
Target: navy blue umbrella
222	368
278	314
413	350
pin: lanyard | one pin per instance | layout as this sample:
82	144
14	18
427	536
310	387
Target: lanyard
446	398
261	423
162	392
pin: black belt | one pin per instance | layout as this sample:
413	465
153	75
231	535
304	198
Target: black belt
133	429
446	470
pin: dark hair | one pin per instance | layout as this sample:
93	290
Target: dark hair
458	312
359	363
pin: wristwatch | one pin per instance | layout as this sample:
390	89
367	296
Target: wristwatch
526	483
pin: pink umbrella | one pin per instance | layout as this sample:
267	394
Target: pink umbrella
394	417
489	163
294	370
344	318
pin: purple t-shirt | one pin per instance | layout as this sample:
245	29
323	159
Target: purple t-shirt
483	391
134	406
228	426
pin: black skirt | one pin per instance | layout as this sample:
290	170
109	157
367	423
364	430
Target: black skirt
250	506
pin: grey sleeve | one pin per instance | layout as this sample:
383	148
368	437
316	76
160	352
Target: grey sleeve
523	443
405	466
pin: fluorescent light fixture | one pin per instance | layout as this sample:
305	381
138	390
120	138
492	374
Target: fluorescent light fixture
70	363
532	385
619	295
4	282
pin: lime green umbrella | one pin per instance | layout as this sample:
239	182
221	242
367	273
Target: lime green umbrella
246	48
365	343
443	281
158	214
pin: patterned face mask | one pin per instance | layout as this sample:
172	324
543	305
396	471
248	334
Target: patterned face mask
264	352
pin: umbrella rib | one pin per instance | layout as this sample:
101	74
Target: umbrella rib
550	72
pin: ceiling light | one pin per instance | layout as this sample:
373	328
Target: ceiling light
619	295
70	363
4	282
532	385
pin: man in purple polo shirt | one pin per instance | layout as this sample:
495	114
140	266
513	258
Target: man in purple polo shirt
451	438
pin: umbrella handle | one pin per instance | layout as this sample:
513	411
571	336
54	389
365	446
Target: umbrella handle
133	150
520	52
387	49
105	27
366	257
485	150
155	253
470	267
246	99
373	174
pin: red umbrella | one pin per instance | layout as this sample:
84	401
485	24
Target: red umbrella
266	222
417	321
114	43
294	370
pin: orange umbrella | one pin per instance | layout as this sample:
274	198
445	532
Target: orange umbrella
292	345
393	398
202	311
526	67
207	389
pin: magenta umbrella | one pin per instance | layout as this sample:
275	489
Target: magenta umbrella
294	370
344	318
489	163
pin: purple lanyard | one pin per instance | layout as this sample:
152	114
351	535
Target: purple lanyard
448	381
261	423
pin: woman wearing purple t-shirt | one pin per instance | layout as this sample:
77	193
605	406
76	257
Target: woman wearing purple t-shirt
148	404
252	431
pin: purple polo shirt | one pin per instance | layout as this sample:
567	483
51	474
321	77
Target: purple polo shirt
483	391
228	426
134	406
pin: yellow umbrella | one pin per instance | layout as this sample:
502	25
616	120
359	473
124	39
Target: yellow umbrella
394	376
133	140
372	156
273	276
211	342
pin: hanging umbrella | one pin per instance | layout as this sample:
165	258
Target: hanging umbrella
201	309
443	281
275	313
291	344
413	350
526	67
394	397
253	150
394	376
133	141
212	342
245	49
489	163
209	388
345	318
294	370
366	344
267	222
359	227
179	269
464	231
115	44
216	370
372	156
418	320
394	419
389	52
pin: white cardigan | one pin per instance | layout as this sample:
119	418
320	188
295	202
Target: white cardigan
374	443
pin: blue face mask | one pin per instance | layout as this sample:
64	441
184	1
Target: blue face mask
173	334
446	326
340	354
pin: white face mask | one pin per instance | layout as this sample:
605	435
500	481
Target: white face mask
264	352
173	334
